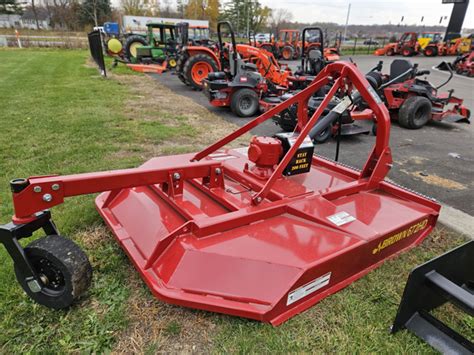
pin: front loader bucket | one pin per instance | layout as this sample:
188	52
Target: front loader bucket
445	66
380	51
447	278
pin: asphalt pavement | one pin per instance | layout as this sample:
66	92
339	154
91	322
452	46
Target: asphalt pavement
436	160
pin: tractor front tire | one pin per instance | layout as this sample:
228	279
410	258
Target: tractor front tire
62	266
430	52
131	45
197	68
244	102
415	112
390	52
408	52
287	53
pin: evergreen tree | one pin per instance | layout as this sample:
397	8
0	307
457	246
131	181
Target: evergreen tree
246	15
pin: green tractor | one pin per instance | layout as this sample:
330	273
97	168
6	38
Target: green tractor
156	46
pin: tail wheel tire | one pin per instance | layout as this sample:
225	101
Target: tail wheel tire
244	102
63	268
415	112
197	68
287	53
131	45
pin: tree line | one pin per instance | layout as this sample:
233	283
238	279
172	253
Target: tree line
77	15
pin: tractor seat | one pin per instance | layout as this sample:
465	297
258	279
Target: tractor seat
400	66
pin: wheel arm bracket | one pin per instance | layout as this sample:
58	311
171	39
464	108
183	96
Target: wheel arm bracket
11	233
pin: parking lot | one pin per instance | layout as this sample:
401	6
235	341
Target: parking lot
437	160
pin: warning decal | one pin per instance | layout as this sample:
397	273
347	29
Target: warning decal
341	218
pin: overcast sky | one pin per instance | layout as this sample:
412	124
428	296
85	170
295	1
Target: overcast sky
370	11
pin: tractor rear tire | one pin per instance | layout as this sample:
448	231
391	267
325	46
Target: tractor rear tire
287	53
415	112
197	68
244	102
130	46
64	270
179	69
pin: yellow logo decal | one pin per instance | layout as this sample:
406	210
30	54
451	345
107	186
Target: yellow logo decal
400	236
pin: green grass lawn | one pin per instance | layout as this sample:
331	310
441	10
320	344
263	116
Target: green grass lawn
59	116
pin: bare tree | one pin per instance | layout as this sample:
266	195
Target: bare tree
278	17
35	13
133	7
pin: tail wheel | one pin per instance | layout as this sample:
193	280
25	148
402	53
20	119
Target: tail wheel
132	44
287	53
62	267
244	102
415	112
197	68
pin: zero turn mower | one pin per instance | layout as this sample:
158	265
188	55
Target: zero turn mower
262	232
312	62
413	101
462	65
247	80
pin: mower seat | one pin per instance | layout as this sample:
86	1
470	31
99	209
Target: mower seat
400	66
218	75
249	66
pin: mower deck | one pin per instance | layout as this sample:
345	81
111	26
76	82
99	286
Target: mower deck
209	248
262	232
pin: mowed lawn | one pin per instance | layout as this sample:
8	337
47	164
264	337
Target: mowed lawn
59	116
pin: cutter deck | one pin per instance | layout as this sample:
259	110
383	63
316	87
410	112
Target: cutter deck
247	260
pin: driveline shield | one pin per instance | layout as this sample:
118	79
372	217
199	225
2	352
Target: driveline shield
301	161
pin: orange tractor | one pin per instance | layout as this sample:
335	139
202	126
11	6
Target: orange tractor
432	44
407	46
196	61
288	46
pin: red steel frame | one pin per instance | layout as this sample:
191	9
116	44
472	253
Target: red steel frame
355	248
